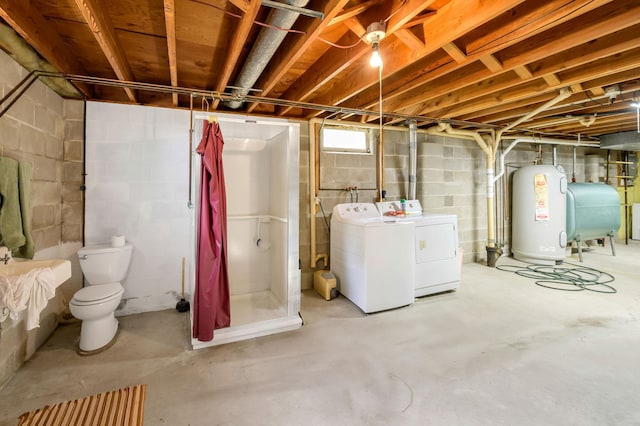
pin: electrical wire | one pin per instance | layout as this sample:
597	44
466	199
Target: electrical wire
339	46
324	216
563	278
404	2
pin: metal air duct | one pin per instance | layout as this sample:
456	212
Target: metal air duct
625	141
264	48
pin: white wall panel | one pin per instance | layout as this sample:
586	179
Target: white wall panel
137	186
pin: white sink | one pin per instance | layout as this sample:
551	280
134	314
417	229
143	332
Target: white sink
61	268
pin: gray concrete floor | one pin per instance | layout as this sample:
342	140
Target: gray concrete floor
500	350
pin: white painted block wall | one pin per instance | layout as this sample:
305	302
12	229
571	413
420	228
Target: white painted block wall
137	186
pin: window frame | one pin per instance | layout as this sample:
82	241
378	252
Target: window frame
346	150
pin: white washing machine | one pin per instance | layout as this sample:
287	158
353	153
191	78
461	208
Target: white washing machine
437	265
372	257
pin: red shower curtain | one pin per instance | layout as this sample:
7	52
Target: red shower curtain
211	305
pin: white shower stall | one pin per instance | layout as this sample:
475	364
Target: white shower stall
137	185
260	161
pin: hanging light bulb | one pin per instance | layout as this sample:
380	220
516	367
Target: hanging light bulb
376	59
375	33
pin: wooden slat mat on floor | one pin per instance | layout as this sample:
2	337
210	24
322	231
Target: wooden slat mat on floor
122	407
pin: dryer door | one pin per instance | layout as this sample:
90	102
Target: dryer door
435	242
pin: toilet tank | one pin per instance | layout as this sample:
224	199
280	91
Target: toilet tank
102	263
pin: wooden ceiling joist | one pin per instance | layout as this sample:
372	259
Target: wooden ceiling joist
523	72
562	50
455	52
340	61
552	79
410	39
237	43
104	33
172	51
492	63
409	90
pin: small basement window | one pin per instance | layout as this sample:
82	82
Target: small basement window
345	140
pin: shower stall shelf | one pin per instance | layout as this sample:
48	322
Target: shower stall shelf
260	160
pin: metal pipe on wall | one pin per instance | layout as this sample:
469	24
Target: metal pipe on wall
573	170
413	158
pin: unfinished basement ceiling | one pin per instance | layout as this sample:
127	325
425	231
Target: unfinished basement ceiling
487	62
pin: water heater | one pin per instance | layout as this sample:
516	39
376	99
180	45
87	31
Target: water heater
539	209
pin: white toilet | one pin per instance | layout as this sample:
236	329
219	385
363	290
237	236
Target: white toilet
103	267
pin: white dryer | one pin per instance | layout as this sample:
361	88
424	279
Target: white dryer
437	265
372	257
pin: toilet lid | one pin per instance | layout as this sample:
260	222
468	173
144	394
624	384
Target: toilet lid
95	293
101	249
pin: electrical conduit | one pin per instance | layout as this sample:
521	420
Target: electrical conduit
313	194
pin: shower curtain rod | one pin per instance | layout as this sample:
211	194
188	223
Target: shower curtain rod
221	96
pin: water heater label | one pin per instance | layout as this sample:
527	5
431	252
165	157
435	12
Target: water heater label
541	191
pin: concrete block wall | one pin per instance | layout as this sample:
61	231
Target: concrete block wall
34	130
46	131
73	179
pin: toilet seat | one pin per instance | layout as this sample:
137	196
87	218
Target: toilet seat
95	294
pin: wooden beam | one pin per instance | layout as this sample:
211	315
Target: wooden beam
406	87
568	48
539	15
455	52
37	31
243	5
239	37
102	29
296	49
421	19
600	73
576	88
409	39
552	80
508	112
335	62
597	91
352	12
578	102
457	16
170	24
353	81
523	72
492	63
356	27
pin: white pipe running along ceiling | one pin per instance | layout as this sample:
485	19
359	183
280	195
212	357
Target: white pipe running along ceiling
547	141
